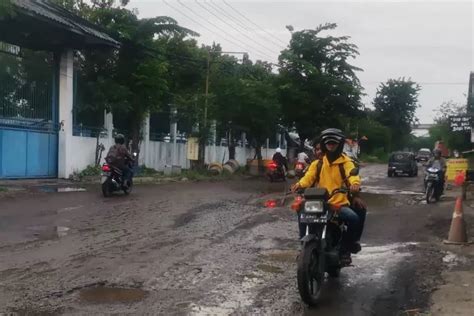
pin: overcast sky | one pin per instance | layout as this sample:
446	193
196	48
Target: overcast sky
430	42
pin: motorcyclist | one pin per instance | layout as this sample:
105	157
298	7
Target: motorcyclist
303	158
280	160
439	163
119	156
330	177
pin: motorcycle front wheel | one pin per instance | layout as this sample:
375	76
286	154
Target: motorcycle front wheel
309	274
129	189
429	192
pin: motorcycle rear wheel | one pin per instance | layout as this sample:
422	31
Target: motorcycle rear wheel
106	188
309	275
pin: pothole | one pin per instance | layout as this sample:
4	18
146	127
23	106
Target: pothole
112	295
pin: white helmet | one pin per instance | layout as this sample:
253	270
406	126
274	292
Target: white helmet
278	150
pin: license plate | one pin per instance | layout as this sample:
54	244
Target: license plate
309	218
399	171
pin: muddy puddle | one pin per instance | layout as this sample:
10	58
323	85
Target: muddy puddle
112	295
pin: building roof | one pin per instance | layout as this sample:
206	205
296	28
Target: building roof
41	24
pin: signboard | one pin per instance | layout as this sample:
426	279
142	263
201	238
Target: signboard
193	148
460	123
9	49
455	166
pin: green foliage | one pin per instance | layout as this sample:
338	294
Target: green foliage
3	189
378	135
395	104
90	171
317	84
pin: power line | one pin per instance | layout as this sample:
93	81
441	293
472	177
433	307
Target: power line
239	23
198	23
223	31
259	27
227	24
424	83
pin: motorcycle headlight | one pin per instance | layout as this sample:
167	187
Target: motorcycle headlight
314	207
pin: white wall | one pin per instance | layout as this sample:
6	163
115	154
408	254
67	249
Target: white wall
157	154
84	151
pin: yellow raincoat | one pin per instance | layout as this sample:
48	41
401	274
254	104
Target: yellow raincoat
330	178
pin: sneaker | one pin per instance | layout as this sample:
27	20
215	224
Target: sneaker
355	248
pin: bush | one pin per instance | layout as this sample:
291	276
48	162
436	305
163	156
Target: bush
144	171
90	171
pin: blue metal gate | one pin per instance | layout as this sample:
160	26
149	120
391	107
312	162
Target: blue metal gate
28	115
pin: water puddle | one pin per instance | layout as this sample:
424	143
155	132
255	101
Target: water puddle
378	263
71	208
283	256
234	297
49	233
112	295
388	191
51	189
269	268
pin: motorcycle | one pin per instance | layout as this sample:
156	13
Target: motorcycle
275	172
300	170
321	245
112	179
433	185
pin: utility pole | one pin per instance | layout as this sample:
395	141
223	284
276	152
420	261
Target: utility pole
206	96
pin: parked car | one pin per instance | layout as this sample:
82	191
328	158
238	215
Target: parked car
423	155
402	163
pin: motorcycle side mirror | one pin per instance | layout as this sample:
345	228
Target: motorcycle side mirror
354	172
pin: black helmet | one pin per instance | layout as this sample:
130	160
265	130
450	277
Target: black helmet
120	139
332	135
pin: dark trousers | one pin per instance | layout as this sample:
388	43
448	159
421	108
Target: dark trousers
127	174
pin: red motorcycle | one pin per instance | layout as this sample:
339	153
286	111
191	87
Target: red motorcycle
275	172
300	170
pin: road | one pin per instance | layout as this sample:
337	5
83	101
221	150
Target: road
209	248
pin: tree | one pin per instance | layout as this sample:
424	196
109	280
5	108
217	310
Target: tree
442	131
131	81
244	98
5	8
395	104
318	86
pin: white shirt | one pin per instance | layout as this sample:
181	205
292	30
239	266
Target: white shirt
302	157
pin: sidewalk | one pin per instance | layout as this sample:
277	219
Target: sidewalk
456	294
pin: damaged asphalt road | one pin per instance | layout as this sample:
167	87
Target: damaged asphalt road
209	248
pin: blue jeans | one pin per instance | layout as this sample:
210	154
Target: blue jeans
352	220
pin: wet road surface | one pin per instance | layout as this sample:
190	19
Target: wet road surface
208	248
